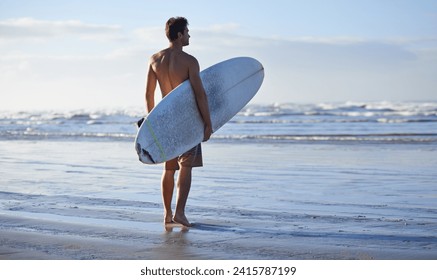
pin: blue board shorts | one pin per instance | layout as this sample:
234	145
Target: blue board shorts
191	158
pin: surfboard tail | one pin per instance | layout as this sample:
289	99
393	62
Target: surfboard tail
142	154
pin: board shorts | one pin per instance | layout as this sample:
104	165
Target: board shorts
191	158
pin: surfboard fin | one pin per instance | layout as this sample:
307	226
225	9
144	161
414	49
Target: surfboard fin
139	122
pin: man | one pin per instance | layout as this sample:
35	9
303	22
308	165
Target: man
170	67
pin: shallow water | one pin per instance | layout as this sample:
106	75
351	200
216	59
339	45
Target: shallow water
250	200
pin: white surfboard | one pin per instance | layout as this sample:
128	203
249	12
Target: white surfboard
175	126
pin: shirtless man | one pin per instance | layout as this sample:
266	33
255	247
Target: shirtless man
170	67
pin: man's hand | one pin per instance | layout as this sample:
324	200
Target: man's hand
207	133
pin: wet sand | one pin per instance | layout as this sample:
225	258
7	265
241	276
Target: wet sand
290	202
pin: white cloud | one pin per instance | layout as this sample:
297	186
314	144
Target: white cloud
34	29
306	69
150	34
228	27
331	69
307	52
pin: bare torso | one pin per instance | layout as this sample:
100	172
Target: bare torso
171	68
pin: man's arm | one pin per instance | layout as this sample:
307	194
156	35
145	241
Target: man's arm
150	89
201	99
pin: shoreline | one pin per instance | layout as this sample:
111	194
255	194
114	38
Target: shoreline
198	244
287	202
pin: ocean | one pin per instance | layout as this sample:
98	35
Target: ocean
280	181
351	122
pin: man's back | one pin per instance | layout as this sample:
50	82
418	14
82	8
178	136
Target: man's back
171	68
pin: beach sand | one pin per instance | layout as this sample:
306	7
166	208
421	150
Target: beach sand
94	200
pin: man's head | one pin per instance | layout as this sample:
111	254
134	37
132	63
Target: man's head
175	26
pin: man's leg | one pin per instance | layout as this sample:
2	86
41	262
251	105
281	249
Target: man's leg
184	185
167	187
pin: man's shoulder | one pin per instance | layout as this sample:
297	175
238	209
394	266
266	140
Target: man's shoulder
189	58
158	55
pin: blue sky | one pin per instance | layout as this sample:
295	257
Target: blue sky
81	54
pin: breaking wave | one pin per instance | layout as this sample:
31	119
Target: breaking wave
350	122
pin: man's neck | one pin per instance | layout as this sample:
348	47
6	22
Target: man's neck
176	46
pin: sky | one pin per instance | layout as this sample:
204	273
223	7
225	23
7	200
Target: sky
93	54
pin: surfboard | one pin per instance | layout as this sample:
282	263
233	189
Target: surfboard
175	125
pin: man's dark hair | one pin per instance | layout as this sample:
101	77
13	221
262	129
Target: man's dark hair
174	26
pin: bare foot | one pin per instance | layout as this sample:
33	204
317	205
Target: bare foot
167	218
181	219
